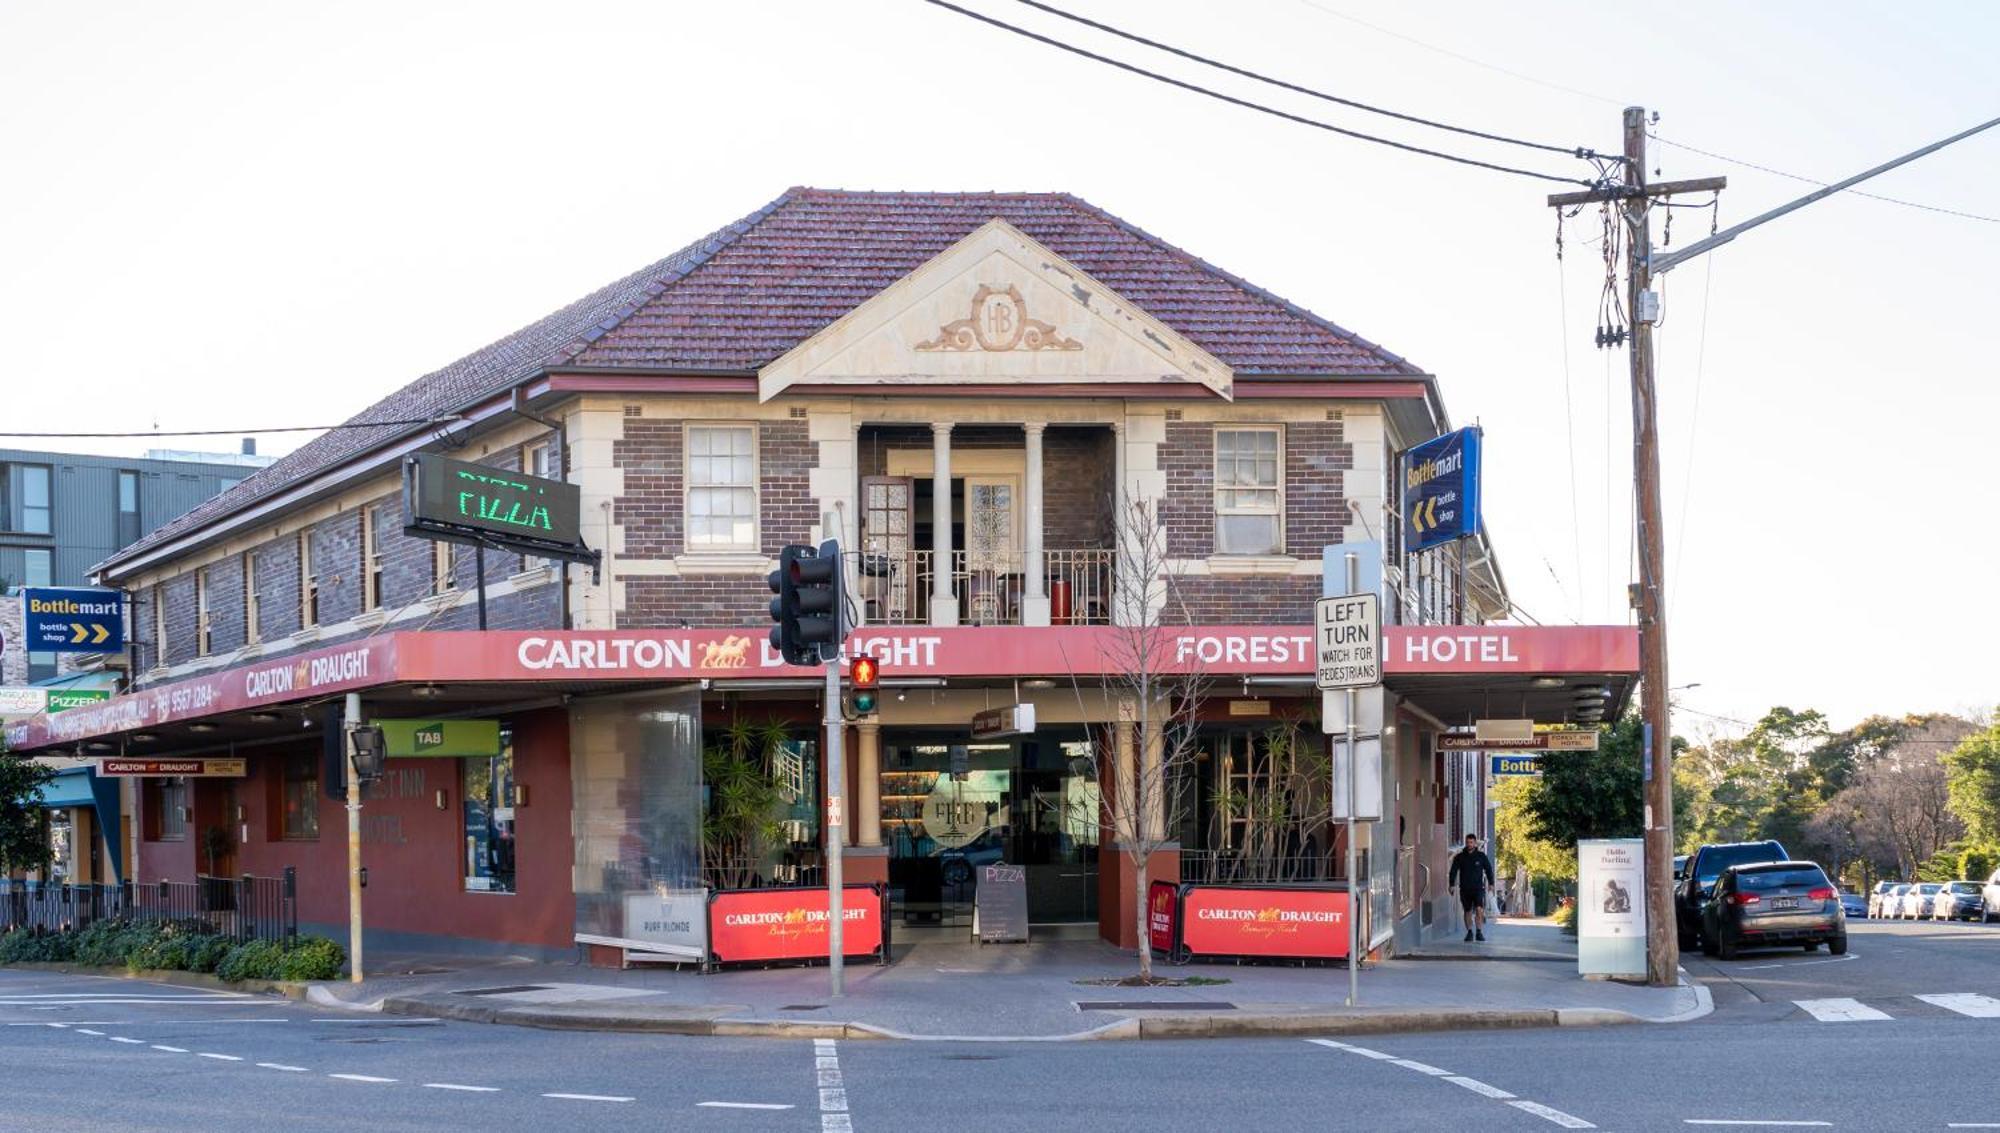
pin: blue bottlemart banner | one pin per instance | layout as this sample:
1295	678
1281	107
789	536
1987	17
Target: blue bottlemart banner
1503	765
1441	490
73	620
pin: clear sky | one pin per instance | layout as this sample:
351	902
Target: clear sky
220	215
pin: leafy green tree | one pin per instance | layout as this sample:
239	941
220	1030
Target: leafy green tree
1515	843
1973	768
1593	794
22	845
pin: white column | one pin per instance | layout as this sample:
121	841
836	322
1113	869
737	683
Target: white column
944	600
868	778
1034	597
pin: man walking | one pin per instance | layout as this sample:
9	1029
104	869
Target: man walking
1471	873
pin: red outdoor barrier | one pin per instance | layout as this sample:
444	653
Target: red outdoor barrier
1266	922
768	925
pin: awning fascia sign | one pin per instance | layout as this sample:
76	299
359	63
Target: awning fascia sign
722	655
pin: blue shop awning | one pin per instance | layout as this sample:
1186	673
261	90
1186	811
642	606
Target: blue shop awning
70	787
82	786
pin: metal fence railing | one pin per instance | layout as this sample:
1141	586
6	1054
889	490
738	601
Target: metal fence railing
990	586
241	908
1229	866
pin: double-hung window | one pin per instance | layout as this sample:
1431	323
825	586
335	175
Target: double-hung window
1249	492
35	498
721	488
128	508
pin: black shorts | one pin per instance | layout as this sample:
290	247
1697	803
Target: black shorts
1472	898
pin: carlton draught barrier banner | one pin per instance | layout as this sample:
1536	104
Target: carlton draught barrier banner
1253	921
751	925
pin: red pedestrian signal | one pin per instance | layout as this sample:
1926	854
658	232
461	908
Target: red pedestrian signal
864	671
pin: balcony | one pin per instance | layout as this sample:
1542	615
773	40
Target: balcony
988	588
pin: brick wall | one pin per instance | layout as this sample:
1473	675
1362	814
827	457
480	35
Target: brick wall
1317	458
277	574
1236	600
787	510
720	601
1078	473
336	562
1188	512
225	605
650	455
178	595
406	563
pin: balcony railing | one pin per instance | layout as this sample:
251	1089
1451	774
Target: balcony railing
895	588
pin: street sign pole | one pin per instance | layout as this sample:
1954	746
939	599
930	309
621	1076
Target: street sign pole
1347	638
836	821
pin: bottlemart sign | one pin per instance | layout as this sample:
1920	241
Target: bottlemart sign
441	739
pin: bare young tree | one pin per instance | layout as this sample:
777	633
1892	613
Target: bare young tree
1155	691
1899	805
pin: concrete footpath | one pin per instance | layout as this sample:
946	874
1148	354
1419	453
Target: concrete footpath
947	990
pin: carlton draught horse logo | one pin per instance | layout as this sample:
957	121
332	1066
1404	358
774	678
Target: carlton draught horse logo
732	652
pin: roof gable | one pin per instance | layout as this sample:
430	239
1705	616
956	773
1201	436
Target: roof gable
996	306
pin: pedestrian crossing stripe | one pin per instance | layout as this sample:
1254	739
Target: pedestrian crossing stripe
1843	1010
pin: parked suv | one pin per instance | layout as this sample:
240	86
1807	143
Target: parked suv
1698	879
1773	903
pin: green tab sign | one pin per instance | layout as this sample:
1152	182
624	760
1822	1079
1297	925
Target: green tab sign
441	739
62	698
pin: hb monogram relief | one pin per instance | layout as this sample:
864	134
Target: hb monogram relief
999	322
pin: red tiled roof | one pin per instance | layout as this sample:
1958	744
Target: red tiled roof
820	253
748	292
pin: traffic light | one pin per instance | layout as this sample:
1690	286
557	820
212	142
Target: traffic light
809	607
863	674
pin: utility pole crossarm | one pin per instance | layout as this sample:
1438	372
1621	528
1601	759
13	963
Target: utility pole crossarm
1625	192
1700	247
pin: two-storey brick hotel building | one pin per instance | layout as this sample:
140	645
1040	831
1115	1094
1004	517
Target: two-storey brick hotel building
976	393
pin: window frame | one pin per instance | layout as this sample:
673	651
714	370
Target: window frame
371	561
167	791
1277	489
442	581
468	867
299	770
253	632
47	508
201	636
308	584
159	625
121	512
688	489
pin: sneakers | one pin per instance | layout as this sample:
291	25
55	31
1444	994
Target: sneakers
1479	936
1468	935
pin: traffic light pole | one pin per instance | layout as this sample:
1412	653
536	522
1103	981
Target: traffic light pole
836	820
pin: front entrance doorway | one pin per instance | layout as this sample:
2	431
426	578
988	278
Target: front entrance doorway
950	806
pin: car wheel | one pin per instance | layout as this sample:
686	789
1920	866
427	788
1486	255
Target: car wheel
1838	945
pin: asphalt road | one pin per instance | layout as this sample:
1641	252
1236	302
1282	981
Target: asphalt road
101	1054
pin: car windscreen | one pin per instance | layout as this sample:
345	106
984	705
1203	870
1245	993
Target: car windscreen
1715	861
1964	887
1928	888
1758	880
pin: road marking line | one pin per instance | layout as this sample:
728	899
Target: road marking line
282	1066
456	1086
359	1078
829	1078
50	1004
1547	1113
1737	1121
833	1101
589	1097
87	995
1329	1043
1966	1003
123	1039
1479	1087
1974	1125
741	1105
1366	1053
170	1049
58	1026
1840	1010
88	1031
81	1023
827	1063
835	1123
222	1057
376	1022
1797	963
1419	1067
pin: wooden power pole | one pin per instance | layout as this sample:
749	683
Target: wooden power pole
1634	197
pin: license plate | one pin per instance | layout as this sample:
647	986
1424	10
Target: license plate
1785	903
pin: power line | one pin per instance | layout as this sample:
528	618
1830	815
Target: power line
1815	181
1571	151
1445	51
235	432
1249	105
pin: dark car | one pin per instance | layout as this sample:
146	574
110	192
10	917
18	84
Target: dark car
1958	900
1772	904
1698	879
